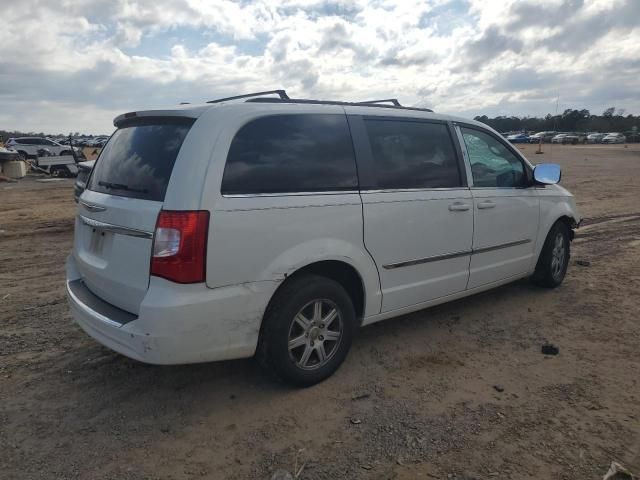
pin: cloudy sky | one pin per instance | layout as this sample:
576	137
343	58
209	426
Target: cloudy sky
69	65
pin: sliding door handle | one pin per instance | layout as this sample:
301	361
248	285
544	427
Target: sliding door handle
486	204
459	207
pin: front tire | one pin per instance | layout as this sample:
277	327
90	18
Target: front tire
554	257
307	330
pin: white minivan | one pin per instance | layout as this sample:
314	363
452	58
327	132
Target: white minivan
270	226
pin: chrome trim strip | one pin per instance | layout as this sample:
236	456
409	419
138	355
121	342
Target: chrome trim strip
501	188
289	194
344	192
419	261
503	245
404	190
91	207
448	256
108	227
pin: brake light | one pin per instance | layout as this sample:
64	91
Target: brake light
180	246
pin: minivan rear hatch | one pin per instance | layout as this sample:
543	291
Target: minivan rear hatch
119	209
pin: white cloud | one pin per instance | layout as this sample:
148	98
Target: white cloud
74	64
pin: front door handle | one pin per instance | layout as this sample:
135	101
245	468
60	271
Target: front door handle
459	207
486	204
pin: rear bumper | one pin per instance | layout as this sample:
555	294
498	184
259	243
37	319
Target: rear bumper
175	324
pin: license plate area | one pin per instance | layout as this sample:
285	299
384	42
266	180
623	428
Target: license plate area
96	241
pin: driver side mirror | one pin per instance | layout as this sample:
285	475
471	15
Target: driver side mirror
547	173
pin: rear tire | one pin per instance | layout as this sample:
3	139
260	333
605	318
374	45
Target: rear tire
554	257
60	171
307	330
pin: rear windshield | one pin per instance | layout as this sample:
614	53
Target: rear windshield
138	159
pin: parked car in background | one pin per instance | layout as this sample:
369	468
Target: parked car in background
518	138
575	138
545	136
595	137
277	227
559	138
614	137
29	147
569	138
97	142
84	170
632	136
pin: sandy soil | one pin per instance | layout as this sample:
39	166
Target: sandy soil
459	391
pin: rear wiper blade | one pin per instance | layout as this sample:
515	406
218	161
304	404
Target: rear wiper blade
122	186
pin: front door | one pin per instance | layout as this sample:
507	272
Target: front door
506	210
418	211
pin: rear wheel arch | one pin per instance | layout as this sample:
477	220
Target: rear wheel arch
341	272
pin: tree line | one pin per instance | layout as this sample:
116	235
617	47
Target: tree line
611	120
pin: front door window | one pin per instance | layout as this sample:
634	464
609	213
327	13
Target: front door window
492	164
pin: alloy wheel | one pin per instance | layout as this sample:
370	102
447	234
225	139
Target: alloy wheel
315	334
558	256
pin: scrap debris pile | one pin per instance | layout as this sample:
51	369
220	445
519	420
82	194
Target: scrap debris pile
11	165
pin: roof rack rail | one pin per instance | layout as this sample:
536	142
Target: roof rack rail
374	104
283	96
394	101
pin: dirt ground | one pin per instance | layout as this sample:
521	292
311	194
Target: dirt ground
458	391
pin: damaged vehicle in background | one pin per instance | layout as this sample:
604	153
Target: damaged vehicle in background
31	147
277	227
84	170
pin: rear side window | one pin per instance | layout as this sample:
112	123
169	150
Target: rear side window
138	159
291	153
410	154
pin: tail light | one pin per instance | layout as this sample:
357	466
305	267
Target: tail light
180	246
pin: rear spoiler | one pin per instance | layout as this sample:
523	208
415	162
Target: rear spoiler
150	116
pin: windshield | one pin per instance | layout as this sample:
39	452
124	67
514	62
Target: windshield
138	159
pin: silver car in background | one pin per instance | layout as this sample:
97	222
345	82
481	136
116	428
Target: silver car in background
614	137
595	137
